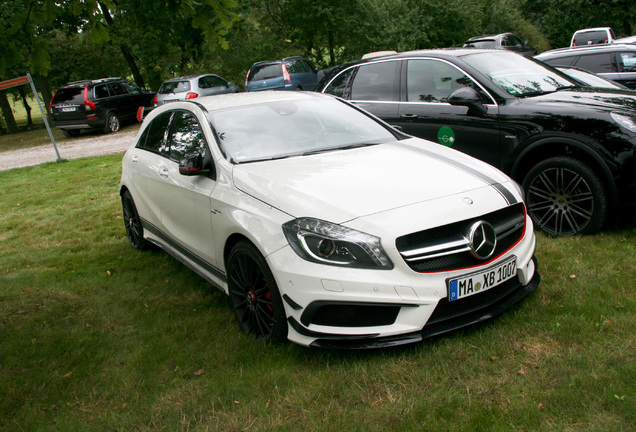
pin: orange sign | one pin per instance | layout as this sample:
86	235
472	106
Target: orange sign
14	82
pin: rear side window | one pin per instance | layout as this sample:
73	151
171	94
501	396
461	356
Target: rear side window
598	63
154	137
375	81
561	61
628	61
263	72
295	66
101	91
339	85
69	95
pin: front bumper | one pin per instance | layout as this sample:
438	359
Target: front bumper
334	307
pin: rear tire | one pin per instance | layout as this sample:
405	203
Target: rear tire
132	221
565	196
112	123
254	294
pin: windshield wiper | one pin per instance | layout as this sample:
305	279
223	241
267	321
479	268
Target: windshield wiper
346	147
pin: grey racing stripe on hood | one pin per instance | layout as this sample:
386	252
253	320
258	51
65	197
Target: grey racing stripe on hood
505	193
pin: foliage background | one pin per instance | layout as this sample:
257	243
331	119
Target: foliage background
64	40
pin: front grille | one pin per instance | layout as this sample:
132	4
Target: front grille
447	248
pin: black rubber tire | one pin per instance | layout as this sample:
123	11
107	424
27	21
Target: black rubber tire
112	123
254	294
71	133
565	196
134	228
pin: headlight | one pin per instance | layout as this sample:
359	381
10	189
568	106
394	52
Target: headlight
625	120
327	243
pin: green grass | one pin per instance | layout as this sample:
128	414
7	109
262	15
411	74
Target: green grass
95	335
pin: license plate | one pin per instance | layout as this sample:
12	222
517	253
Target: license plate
69	109
475	283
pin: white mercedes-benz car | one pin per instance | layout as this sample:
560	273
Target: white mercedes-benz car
325	225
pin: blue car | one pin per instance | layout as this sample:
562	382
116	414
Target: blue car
291	73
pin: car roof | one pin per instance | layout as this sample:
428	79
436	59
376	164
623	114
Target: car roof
90	82
586	48
487	37
188	77
593	29
233	100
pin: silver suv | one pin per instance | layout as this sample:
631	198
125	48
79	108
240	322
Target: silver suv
191	87
616	62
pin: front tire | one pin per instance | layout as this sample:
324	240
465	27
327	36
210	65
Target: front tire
565	196
112	123
254	294
134	229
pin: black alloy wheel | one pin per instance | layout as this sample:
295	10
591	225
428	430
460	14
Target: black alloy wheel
254	294
565	197
112	123
134	229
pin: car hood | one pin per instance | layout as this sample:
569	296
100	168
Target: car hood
343	185
606	99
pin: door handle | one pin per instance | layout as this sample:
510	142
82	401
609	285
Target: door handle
163	172
134	159
408	116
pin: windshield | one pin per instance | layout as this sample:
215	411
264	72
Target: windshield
279	129
517	75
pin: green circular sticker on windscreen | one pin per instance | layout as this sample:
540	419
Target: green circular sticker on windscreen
446	136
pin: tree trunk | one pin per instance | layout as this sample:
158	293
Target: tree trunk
7	113
125	49
27	107
42	86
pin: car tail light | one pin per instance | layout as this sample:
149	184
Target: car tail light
247	76
155	99
192	95
605	40
286	76
51	103
88	105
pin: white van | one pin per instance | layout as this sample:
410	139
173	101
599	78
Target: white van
592	36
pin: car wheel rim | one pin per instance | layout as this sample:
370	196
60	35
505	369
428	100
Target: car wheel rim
113	123
560	201
251	297
134	230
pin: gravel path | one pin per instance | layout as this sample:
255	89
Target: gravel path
78	148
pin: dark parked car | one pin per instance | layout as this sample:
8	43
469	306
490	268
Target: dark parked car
97	104
192	87
616	62
291	73
507	41
572	147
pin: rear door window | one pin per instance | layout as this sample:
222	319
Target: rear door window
154	138
599	63
375	81
117	89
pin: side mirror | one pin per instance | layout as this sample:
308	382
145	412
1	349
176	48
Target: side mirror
192	165
468	97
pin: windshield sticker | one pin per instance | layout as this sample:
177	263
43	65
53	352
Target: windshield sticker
446	136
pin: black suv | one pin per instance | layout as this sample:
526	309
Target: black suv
573	148
615	61
97	104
